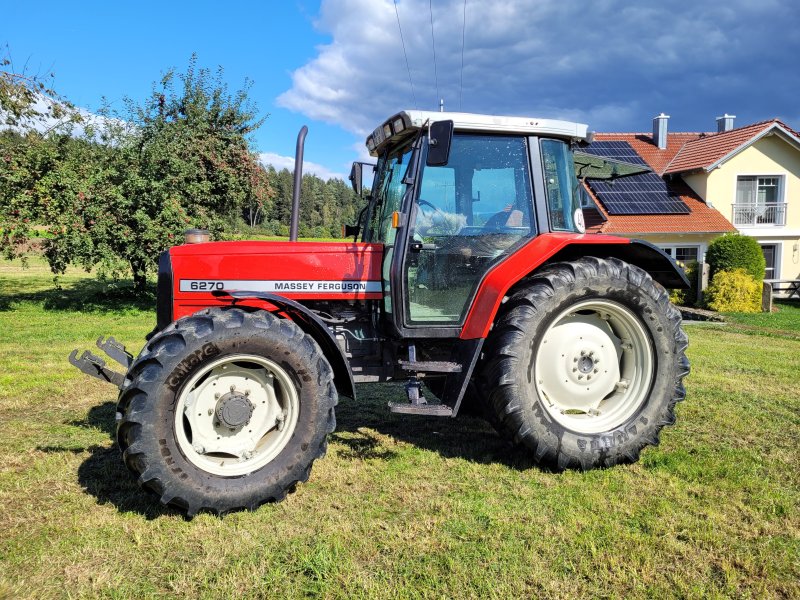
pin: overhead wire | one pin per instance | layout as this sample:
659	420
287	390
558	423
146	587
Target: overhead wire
433	43
461	83
408	68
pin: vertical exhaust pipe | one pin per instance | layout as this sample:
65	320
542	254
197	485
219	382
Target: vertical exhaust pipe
298	181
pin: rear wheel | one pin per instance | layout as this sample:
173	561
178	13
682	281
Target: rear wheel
586	365
226	410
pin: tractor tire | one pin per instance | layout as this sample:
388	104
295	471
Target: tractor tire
226	410
585	365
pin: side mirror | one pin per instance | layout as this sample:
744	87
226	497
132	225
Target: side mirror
439	140
350	231
356	175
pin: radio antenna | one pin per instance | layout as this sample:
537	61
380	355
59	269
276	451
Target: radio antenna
408	68
433	43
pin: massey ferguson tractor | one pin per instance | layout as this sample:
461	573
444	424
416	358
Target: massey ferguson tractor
469	270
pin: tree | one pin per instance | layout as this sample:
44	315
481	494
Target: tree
128	189
29	102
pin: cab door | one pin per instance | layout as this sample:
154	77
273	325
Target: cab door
465	216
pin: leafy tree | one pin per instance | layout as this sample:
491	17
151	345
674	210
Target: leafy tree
29	101
129	188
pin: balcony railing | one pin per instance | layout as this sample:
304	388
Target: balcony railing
754	215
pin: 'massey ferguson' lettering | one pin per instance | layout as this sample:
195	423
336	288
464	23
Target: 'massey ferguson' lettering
342	287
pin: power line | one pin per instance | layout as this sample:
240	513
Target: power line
461	84
408	68
433	42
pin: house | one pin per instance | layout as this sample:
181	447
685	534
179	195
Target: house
704	185
751	175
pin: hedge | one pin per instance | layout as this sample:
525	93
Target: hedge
734	251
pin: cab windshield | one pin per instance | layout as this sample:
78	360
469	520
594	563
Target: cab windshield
388	190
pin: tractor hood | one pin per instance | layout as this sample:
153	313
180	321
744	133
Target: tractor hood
202	273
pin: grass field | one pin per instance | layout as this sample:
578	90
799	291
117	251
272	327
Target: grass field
400	507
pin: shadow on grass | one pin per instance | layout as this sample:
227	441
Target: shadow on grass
103	474
467	437
360	425
84	295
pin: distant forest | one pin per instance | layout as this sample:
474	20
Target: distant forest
324	206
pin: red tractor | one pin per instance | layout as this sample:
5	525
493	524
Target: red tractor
469	270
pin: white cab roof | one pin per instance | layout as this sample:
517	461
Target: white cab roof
500	124
402	124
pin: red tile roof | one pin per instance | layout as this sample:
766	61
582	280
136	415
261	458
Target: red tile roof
702	218
707	149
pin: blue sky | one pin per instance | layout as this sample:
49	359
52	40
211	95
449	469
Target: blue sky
338	65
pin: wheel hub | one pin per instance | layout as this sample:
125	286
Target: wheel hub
593	366
585	364
234	432
234	410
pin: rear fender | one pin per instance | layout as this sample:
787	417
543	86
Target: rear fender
560	247
658	264
316	328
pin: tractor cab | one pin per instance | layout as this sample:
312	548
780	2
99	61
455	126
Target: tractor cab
453	195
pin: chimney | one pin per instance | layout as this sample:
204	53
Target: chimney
660	131
725	122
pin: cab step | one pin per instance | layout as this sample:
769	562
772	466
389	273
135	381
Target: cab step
417	404
431	410
430	366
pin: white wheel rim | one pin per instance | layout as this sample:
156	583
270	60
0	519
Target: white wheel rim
229	388
594	366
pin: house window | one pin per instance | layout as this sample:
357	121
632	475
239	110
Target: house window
770	256
759	201
683	254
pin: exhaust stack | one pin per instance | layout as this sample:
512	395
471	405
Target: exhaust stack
298	180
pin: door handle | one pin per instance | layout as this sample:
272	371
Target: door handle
419	247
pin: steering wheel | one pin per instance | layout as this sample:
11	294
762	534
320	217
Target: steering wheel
435	208
435	218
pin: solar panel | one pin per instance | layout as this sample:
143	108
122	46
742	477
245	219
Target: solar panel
615	150
642	194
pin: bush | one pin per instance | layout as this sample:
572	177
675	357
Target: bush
734	291
687	297
734	251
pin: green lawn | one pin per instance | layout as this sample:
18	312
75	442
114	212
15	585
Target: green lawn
400	507
785	317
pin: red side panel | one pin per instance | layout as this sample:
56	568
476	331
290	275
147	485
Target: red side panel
500	279
297	270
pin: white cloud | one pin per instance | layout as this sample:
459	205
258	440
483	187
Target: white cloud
287	162
611	63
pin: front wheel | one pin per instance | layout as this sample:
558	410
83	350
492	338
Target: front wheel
226	410
586	364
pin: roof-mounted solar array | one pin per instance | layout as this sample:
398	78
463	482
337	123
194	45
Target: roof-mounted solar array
643	194
615	151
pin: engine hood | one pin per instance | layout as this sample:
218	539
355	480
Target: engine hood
201	273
